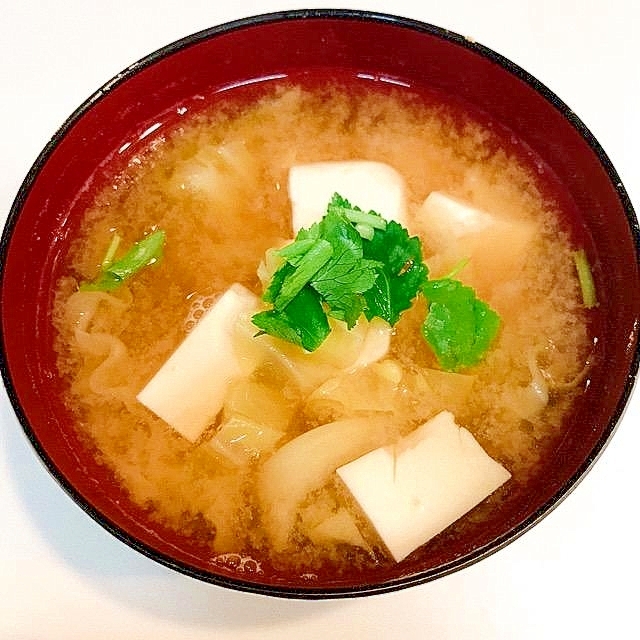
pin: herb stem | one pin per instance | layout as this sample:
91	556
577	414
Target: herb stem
362	217
107	261
585	278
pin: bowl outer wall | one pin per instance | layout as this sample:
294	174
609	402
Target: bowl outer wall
47	210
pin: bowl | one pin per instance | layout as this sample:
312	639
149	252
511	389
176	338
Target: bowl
122	116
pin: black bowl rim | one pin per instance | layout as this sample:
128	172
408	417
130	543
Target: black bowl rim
323	14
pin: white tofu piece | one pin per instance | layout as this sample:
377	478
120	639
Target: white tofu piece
414	490
369	185
449	218
189	389
496	248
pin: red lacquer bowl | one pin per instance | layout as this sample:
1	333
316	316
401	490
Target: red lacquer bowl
50	202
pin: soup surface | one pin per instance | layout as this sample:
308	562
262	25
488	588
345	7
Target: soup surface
215	181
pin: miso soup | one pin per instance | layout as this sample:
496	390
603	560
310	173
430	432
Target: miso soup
215	181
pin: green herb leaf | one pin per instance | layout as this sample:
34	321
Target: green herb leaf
401	272
277	280
302	322
354	262
113	273
459	327
364	222
343	279
305	269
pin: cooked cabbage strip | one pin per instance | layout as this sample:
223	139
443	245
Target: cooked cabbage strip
111	353
572	383
101	380
307	463
537	390
82	306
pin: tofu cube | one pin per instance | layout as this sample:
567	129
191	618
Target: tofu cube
496	248
189	389
366	184
414	490
447	218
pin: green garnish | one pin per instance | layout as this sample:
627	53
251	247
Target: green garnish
354	262
114	273
585	277
459	327
401	272
324	274
302	322
107	261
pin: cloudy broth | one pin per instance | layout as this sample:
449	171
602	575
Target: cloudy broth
215	180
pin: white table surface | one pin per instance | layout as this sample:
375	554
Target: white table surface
63	577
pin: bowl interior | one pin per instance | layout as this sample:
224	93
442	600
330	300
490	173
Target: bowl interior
49	206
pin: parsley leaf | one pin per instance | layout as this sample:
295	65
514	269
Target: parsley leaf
401	272
304	270
113	273
459	327
302	322
365	223
354	262
346	276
